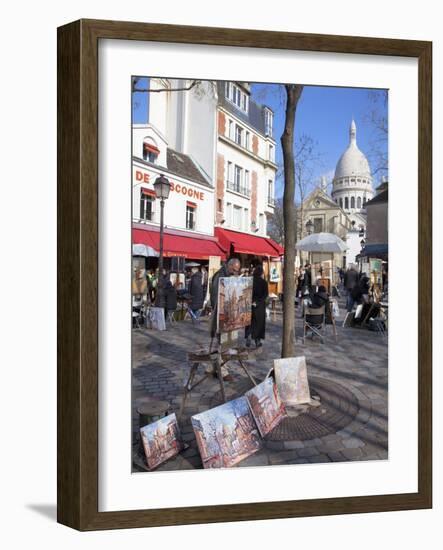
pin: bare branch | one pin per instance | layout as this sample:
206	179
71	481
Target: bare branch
158	90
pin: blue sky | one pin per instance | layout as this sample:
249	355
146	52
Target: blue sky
323	113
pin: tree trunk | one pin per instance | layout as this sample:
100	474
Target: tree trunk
293	93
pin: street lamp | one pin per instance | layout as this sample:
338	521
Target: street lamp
162	187
309	227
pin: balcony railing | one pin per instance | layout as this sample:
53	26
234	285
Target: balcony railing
242	189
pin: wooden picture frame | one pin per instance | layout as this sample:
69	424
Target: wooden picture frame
78	274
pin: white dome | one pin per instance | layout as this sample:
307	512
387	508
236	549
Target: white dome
352	162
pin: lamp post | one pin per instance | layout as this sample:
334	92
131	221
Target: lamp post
162	187
309	227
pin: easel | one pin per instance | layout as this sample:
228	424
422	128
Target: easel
217	358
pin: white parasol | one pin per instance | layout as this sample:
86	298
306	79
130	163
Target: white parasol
322	242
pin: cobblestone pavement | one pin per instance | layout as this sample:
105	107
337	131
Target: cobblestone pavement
349	378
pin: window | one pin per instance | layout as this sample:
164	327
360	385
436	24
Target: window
358	202
245	219
229	213
341	203
229	174
364	201
346	203
269	116
237	96
231	130
261	224
270	192
247	140
237	178
271	153
238	134
219	205
237	217
352	202
246	189
147	201
150	150
191	209
318	225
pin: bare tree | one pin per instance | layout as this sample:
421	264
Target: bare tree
378	120
276	226
307	161
293	93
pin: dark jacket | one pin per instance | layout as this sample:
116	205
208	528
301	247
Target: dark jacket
213	295
351	278
258	320
196	291
170	297
320	299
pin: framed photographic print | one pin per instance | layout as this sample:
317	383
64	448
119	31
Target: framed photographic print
194	160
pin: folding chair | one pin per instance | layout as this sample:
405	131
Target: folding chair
314	321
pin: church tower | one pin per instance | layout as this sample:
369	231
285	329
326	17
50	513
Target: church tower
352	184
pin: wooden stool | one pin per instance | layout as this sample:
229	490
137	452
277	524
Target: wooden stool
217	359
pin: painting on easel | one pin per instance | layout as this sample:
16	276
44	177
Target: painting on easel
234	303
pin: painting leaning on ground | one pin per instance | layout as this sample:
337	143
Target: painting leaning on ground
220	377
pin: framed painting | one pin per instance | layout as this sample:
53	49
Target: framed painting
169	158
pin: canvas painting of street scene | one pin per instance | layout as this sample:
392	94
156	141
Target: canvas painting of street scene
266	406
226	434
292	380
161	440
234	303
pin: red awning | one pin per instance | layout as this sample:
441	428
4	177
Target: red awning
152	148
179	245
248	244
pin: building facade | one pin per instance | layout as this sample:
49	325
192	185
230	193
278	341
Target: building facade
246	165
178	141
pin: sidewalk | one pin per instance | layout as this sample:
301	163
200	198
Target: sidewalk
349	377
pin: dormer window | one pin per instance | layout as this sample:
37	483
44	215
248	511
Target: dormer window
269	120
150	150
237	96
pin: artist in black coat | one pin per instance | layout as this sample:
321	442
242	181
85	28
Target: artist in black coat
257	328
170	298
196	291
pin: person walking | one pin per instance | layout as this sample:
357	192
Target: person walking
196	291
307	280
169	298
257	328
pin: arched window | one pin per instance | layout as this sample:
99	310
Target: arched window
352	202
358	202
341	203
150	150
364	201
346	203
